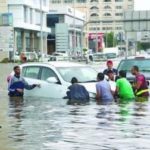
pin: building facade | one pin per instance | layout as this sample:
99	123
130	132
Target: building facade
29	19
3	6
29	24
66	24
102	16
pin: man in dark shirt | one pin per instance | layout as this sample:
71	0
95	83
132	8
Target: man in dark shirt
110	67
77	93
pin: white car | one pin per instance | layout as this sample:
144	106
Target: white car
54	78
58	57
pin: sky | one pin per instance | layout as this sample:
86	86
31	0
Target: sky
142	4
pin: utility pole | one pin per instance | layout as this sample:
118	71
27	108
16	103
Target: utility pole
74	31
82	34
41	30
126	52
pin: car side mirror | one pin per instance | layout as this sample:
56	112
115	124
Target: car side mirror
52	80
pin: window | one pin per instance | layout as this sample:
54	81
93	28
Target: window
107	7
83	74
107	0
118	0
68	1
94	7
118	7
107	14
107	28
94	28
25	14
55	1
81	1
130	6
119	14
94	0
31	17
107	22
31	72
38	16
94	15
5	19
46	73
118	28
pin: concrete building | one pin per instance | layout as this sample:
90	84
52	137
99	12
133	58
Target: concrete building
102	14
137	29
27	18
66	24
3	6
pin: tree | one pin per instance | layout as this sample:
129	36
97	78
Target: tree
143	46
84	50
110	40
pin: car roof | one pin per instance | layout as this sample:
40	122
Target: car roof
55	64
136	58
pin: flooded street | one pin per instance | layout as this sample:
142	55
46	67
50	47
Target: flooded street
50	124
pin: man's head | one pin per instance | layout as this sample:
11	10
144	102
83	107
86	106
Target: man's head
109	64
135	70
24	59
110	74
100	76
74	80
17	70
122	73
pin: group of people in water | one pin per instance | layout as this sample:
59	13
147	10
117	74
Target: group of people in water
111	85
113	88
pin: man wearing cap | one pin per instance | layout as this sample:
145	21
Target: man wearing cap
110	67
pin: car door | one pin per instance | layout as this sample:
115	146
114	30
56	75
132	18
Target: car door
39	75
31	75
51	89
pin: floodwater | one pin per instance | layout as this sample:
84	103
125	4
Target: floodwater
50	124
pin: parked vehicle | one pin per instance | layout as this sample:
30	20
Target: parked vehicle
55	77
141	62
31	56
58	57
99	57
110	55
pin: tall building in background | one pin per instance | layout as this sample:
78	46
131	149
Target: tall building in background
104	15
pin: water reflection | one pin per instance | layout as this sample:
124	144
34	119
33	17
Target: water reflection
49	124
15	113
16	107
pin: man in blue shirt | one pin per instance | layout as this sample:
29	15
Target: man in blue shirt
17	84
77	93
103	90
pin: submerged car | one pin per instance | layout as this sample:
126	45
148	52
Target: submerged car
54	78
141	62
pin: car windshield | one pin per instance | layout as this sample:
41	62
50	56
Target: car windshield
142	64
83	74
